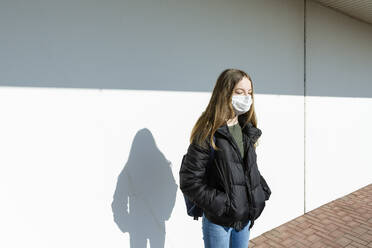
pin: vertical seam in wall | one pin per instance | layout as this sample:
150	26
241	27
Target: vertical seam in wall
305	3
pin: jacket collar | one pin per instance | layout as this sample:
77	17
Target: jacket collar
251	131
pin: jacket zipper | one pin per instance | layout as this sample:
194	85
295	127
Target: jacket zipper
247	170
247	173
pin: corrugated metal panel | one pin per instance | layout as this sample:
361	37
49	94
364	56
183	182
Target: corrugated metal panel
360	9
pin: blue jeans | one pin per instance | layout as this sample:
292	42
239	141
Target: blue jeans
217	236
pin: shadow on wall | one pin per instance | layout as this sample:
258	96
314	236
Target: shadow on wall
145	193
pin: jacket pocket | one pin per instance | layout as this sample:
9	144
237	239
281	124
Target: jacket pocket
259	201
239	206
258	210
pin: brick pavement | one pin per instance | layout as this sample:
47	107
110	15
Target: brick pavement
344	222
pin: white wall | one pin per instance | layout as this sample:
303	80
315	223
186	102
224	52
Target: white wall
338	105
98	101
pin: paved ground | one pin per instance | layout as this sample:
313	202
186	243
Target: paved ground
344	222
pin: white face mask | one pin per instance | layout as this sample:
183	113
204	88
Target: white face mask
241	103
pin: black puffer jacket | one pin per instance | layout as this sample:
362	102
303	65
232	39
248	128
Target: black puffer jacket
231	191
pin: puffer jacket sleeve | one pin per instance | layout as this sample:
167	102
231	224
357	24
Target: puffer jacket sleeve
265	187
193	182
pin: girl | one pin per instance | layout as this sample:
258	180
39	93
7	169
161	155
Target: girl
230	190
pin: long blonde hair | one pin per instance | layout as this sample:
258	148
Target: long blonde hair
220	109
